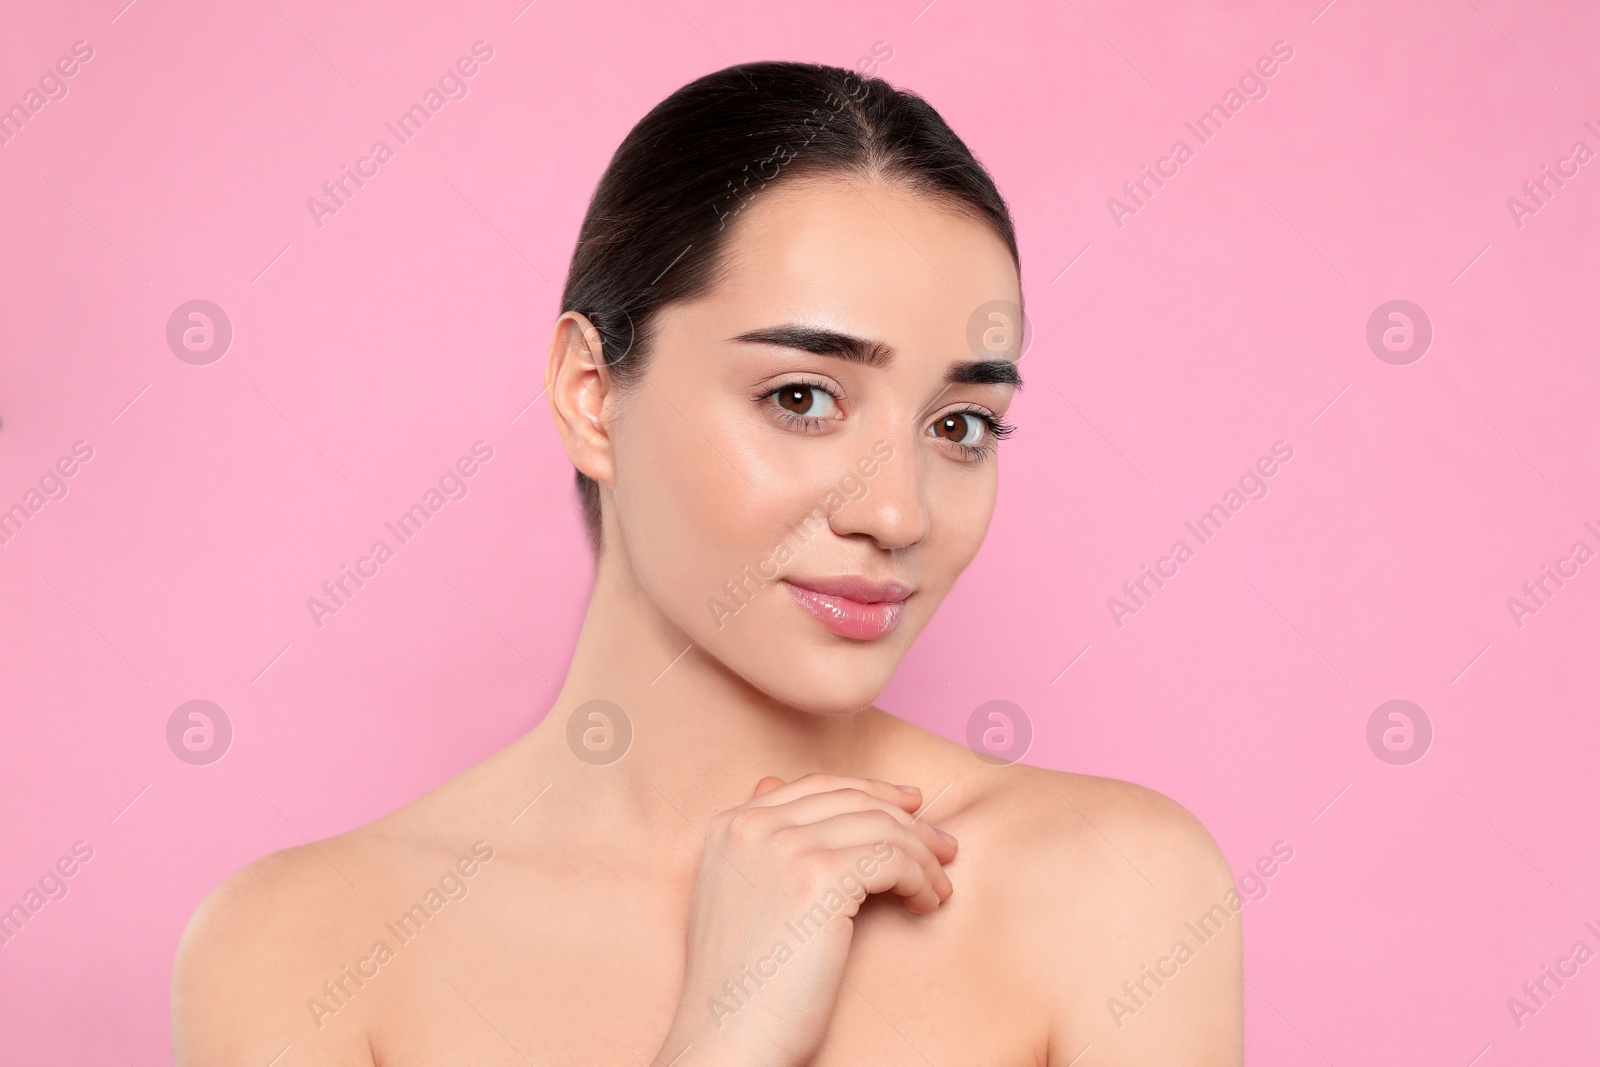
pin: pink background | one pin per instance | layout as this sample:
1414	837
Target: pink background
1226	314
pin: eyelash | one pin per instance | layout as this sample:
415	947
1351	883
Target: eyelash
998	428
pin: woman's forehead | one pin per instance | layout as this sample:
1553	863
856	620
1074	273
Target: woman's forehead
878	255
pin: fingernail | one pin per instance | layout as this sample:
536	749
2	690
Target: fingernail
946	838
909	789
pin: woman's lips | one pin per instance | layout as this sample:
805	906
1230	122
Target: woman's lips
866	619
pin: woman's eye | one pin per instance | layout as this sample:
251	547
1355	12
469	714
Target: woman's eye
962	428
806	401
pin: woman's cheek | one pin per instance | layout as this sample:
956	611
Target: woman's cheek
721	505
962	512
673	493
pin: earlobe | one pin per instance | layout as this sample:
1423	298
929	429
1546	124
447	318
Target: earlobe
579	382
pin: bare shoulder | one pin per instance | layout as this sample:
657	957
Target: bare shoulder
1110	902
265	962
1130	920
1123	831
1098	832
253	952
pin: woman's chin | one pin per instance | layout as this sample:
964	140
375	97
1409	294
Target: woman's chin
797	662
829	711
820	692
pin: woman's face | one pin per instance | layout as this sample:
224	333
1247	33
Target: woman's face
799	505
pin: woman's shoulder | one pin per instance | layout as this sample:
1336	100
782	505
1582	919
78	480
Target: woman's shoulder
1059	815
1083	885
260	946
1063	836
256	948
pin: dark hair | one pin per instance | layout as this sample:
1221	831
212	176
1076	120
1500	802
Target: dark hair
658	220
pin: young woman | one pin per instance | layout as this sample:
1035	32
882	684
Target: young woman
788	346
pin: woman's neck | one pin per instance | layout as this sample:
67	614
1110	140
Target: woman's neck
702	737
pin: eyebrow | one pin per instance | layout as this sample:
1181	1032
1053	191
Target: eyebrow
879	354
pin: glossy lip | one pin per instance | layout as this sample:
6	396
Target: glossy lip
850	605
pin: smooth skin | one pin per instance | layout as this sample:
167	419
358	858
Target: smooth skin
986	915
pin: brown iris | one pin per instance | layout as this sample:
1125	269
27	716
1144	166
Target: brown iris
797	398
955	427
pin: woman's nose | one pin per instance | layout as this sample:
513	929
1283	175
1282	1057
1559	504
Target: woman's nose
888	504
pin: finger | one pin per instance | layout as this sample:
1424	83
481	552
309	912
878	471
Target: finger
818	783
768	784
899	874
870	829
819	806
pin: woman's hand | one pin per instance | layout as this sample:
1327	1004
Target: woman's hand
772	914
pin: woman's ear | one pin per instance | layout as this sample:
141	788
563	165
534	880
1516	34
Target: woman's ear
581	391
